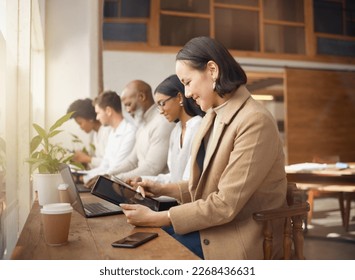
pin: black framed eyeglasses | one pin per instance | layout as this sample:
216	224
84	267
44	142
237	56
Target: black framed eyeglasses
162	102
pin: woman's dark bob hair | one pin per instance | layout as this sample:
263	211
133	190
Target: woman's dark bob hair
171	86
200	50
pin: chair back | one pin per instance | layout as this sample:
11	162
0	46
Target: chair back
293	216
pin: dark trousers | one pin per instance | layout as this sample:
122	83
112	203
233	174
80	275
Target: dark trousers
190	240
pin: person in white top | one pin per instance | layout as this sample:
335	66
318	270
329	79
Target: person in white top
172	103
150	153
85	116
122	136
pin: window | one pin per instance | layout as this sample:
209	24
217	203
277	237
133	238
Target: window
335	36
284	27
246	38
177	30
325	10
2	146
182	20
126	20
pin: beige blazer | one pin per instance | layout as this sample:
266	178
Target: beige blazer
243	173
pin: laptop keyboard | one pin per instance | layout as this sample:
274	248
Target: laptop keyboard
96	208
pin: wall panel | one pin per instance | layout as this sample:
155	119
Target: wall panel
320	114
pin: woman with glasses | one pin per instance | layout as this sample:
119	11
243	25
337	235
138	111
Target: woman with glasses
172	103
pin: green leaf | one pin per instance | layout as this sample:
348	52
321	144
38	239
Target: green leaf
41	131
78	165
35	142
76	137
92	146
67	159
48	159
54	133
84	150
62	120
36	164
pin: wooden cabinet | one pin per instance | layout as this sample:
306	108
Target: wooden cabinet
292	29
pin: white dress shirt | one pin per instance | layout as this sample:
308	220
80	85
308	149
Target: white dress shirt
120	143
99	140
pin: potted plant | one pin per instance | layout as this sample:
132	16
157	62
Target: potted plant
45	158
79	145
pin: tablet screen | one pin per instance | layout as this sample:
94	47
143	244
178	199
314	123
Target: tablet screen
119	192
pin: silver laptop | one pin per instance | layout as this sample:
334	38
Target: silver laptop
96	207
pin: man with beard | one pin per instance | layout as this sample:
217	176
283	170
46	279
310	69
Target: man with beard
149	156
137	98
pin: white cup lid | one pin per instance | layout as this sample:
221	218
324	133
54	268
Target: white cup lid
56	208
63	187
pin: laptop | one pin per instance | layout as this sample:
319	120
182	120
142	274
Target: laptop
79	185
117	191
89	206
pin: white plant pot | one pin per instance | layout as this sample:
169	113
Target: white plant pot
46	186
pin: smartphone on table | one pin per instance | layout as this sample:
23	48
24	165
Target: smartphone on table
134	240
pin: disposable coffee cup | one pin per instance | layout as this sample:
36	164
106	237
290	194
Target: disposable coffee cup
63	193
56	223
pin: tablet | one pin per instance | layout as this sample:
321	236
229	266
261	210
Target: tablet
118	192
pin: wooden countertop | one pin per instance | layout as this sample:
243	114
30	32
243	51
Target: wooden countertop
91	239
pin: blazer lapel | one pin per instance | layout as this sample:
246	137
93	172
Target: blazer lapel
234	105
199	140
214	142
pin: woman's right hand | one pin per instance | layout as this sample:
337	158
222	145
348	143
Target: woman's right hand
149	188
133	181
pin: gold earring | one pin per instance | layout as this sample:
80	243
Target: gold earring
214	85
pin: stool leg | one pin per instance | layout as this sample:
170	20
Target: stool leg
347	211
310	201
341	206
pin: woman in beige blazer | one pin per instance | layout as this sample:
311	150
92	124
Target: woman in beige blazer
237	165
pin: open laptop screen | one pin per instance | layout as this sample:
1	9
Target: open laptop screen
119	192
103	207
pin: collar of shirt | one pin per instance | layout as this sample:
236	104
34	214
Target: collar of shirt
150	113
219	113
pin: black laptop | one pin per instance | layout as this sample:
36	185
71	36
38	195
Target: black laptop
117	191
88	206
79	185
